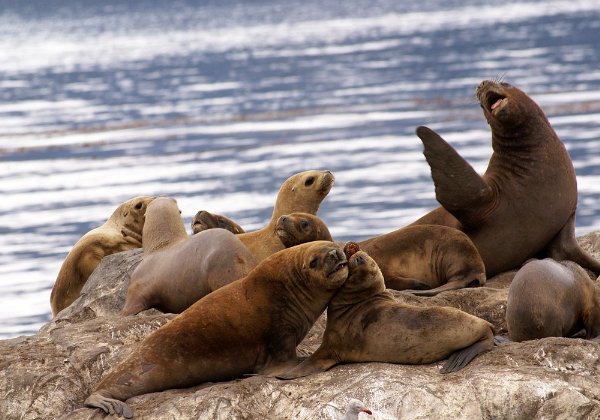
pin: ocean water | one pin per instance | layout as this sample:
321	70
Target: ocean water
216	103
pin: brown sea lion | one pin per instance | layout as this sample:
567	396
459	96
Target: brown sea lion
431	258
122	231
428	258
249	326
302	192
178	269
204	220
551	299
299	228
524	204
366	324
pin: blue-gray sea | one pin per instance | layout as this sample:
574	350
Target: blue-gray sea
217	102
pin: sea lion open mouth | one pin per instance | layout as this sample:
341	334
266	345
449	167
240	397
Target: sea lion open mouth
341	265
494	100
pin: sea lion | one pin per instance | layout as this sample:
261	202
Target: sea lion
366	324
552	299
429	258
299	228
426	259
302	192
204	220
524	204
252	325
178	269
122	231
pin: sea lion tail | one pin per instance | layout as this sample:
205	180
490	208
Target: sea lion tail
109	405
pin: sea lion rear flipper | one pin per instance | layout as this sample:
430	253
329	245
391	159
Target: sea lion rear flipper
316	363
458	188
564	246
459	359
109	405
405	283
459	283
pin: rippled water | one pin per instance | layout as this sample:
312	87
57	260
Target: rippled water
217	102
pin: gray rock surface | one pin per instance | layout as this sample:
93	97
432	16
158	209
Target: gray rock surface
48	375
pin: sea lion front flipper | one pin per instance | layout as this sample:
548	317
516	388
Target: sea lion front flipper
318	362
564	246
109	405
458	188
461	358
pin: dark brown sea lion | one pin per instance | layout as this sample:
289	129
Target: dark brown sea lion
204	220
249	326
366	324
430	258
524	204
551	299
299	228
121	232
302	192
178	269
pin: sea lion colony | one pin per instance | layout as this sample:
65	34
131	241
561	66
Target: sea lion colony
523	207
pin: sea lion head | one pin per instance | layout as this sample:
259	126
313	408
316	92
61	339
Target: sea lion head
163	224
364	277
298	228
507	109
303	192
132	213
204	220
323	264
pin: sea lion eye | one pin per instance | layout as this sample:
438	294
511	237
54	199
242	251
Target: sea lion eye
304	224
314	262
139	205
309	181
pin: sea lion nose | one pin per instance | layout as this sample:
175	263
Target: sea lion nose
360	259
283	219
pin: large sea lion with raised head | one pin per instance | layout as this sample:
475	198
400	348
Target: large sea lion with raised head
524	204
177	269
121	232
302	192
424	259
552	299
365	323
249	326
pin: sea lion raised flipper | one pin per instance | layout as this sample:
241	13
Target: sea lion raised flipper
459	359
319	361
458	188
564	246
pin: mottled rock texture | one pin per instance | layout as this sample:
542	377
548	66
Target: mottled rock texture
48	375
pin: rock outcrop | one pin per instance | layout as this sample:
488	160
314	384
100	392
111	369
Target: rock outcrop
48	375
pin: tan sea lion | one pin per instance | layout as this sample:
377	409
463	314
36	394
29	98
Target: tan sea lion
524	204
249	326
178	269
431	258
551	299
122	231
366	324
302	192
299	228
204	220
